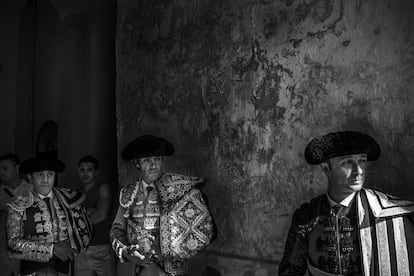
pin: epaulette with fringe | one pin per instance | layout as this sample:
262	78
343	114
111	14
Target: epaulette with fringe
22	201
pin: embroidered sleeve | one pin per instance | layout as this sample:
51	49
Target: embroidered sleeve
23	248
118	235
295	255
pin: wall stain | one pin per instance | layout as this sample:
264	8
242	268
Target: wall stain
322	13
273	22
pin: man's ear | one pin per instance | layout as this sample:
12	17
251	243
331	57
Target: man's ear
135	163
325	168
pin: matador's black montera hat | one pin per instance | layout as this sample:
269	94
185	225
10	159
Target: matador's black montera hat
342	143
147	145
43	161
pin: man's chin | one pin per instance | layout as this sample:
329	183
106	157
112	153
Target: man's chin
152	177
43	191
155	178
356	185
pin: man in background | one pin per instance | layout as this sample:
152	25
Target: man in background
98	258
11	185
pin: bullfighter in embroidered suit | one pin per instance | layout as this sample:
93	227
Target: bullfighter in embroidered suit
350	230
48	225
162	219
11	186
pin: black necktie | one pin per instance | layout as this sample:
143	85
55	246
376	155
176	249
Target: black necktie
337	209
49	208
149	189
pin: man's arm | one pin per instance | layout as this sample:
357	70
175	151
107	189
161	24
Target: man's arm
117	234
101	210
120	242
25	249
294	259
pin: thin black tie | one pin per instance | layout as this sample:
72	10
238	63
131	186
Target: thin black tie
149	189
336	209
47	200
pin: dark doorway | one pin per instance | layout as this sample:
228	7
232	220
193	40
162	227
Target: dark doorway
59	64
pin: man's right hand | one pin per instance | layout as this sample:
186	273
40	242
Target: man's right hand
135	257
63	251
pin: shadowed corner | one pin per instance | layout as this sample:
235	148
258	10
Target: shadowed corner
199	269
211	271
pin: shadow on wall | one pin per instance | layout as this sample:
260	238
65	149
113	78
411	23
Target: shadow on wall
392	170
210	271
197	266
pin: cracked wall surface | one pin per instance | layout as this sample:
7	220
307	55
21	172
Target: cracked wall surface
241	86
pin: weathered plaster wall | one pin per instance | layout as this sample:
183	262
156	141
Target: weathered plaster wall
240	87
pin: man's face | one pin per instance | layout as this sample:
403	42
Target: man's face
150	167
43	181
346	173
87	172
8	171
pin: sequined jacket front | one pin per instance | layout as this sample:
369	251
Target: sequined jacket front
33	227
353	241
152	221
140	216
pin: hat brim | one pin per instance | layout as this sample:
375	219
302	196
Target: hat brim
36	165
336	144
146	146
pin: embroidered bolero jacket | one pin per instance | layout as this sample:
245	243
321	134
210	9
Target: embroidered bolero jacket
185	225
384	225
33	228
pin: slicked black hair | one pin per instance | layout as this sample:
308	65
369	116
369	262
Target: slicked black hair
11	157
89	159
